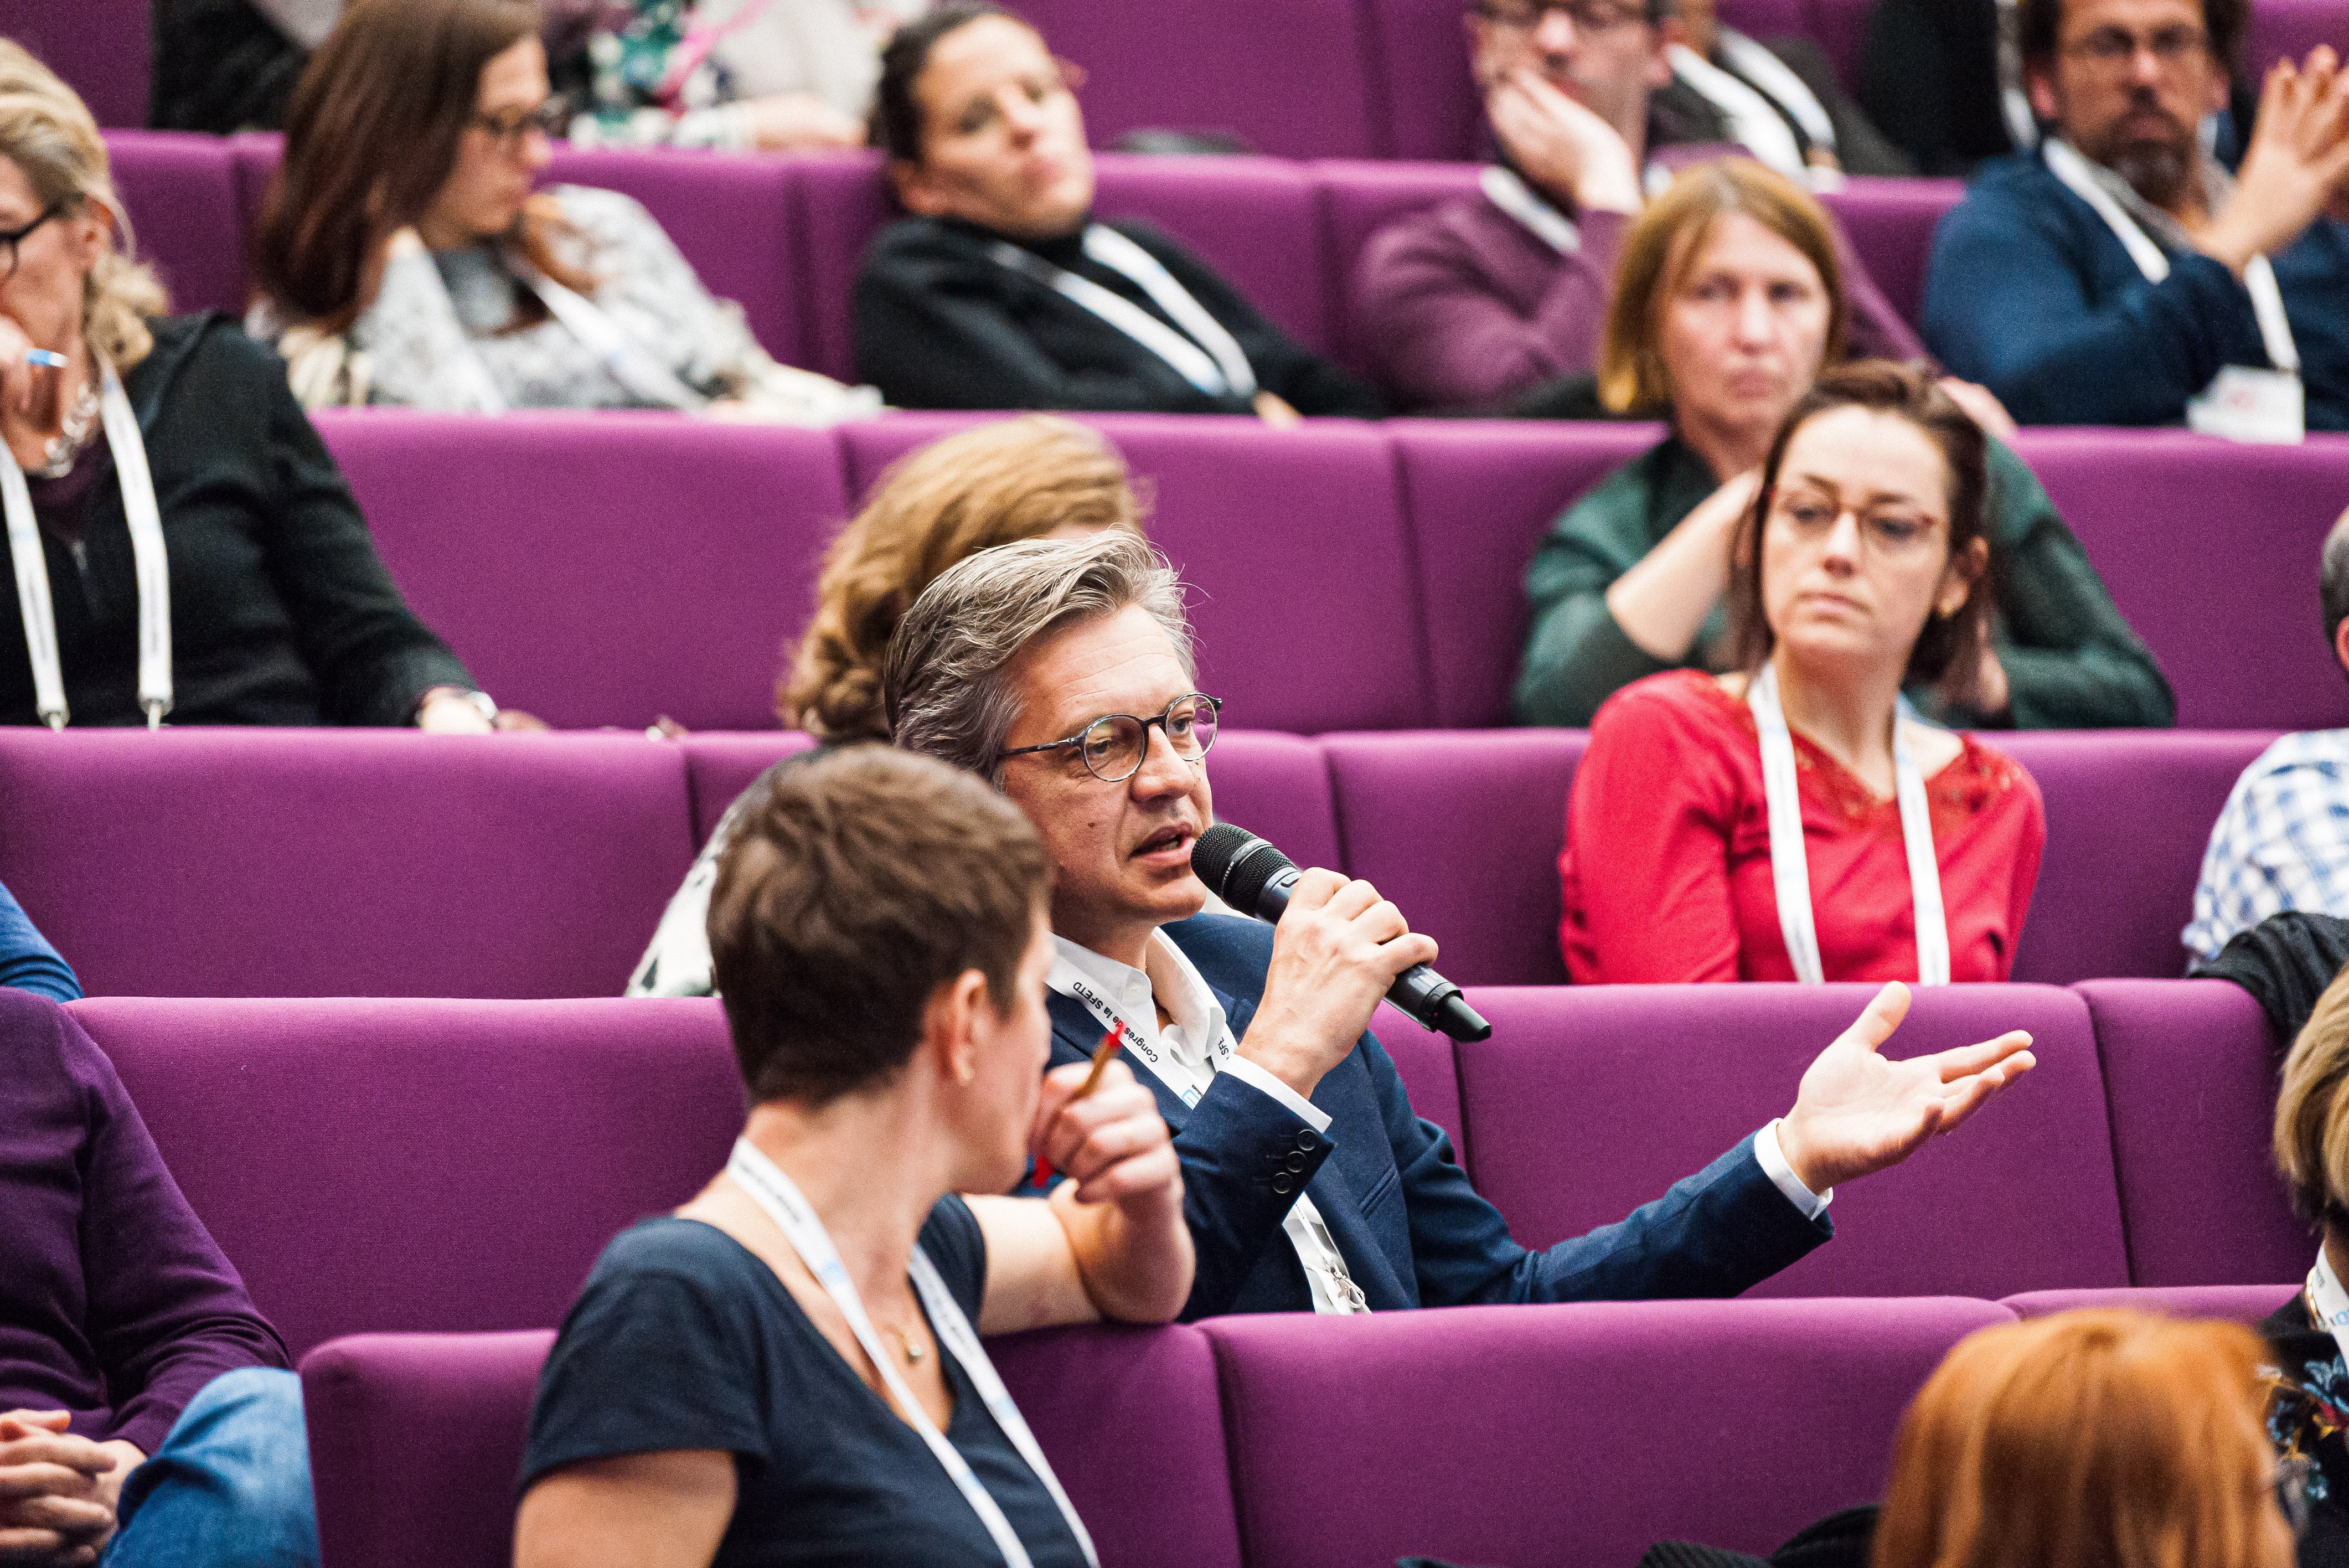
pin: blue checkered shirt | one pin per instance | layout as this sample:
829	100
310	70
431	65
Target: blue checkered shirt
2281	843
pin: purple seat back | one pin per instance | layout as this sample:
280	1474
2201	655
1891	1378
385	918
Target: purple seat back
2157	508
1258	221
2238	1303
1358	201
2190	1069
1890	226
1286	642
1463	832
99	46
1766	18
344	863
2116	885
1590	1100
181	194
597	568
1429	1073
844	200
1841	27
386	1500
424	1165
1480	496
1423	83
1552	1435
2284	29
719	768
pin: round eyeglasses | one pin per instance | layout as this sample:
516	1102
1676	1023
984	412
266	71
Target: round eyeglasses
1113	745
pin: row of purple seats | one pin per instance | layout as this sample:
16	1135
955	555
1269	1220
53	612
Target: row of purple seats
293	863
1578	1455
605	569
454	1167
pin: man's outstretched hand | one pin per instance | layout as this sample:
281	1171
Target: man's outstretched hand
1856	1112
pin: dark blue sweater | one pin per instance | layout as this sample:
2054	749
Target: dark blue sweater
27	961
2033	295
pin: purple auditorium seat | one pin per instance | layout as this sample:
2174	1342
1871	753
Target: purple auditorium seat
1890	226
843	202
1422	79
1463	832
1766	18
99	46
1590	1100
255	154
2284	29
2128	816
1479	495
718	768
1287	641
181	192
387	1501
602	568
2190	1071
1358	201
1424	1060
1564	1435
2243	644
343	863
1841	27
425	1166
2238	1303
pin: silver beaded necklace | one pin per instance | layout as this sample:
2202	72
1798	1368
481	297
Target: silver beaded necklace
73	434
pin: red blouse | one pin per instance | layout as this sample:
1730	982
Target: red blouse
1667	864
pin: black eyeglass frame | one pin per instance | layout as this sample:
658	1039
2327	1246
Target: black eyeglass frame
1141	753
11	238
549	119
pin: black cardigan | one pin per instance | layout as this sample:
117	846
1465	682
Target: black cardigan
282	613
940	324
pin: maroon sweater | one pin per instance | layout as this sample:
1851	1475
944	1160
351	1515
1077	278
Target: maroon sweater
115	1304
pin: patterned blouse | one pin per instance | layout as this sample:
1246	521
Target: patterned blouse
2309	1415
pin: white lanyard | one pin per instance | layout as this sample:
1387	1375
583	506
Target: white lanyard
1790	870
2328	1302
1210	359
1514	196
150	563
1753	122
1775	80
776	1193
628	362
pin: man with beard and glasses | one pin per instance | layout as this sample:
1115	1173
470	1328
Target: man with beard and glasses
2121	274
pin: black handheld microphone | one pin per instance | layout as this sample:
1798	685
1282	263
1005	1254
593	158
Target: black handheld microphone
1254	878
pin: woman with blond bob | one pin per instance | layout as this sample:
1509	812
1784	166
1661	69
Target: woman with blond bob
1037	476
2091	1440
1729	299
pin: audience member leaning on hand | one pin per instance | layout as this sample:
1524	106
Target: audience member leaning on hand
1728	300
182	544
1790	821
2119	275
1002	291
1034	477
1062	672
789	1368
1481	304
403	258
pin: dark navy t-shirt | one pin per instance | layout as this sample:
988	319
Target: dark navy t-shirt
685	1339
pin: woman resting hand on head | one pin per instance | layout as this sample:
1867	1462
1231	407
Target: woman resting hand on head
1794	820
403	258
789	1369
1729	300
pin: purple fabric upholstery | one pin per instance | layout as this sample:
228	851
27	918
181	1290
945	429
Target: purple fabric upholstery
1463	832
1589	1101
1479	496
99	46
2240	1304
424	1165
2190	1070
2158	510
2117	885
181	194
344	863
598	568
1429	1073
2281	28
843	202
1840	25
1353	659
1358	199
718	768
255	154
1423	83
1278	787
1890	226
1564	1435
387	1500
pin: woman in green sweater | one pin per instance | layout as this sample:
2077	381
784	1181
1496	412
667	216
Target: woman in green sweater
1728	300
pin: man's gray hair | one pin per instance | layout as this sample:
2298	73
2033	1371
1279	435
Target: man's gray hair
943	682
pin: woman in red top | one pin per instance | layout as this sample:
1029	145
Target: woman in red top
1861	567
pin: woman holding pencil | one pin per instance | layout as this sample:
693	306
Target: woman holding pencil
789	1368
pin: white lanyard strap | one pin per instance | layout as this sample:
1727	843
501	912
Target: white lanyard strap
150	562
2328	1303
780	1196
2067	164
1790	873
1514	196
1752	122
1210	358
1776	81
624	358
1143	1040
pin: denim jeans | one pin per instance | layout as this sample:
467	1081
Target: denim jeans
231	1485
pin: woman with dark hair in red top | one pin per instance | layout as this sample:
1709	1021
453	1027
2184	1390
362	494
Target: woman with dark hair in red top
1796	821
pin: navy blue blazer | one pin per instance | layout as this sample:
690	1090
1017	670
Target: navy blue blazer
1412	1230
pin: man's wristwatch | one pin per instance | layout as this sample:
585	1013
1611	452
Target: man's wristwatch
481	702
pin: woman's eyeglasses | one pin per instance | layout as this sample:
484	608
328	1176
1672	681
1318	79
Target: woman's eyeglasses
1113	745
1884	532
507	131
11	238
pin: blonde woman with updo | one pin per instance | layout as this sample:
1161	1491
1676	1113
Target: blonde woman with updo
1035	477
